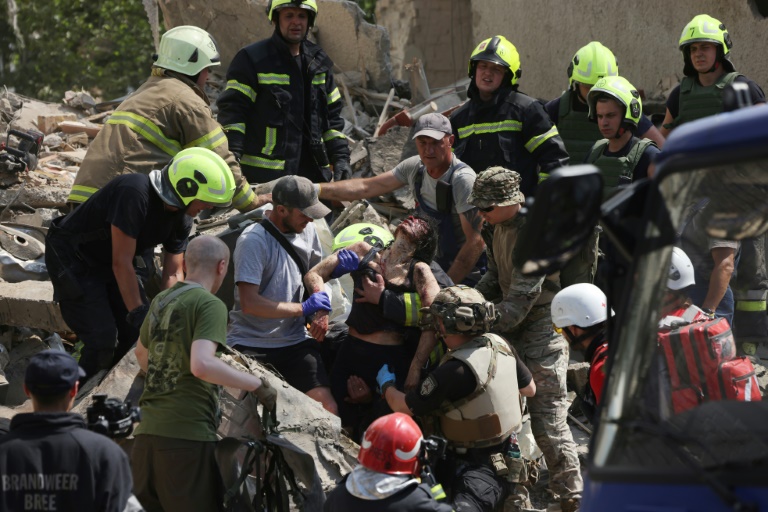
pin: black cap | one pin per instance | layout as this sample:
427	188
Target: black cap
299	192
52	372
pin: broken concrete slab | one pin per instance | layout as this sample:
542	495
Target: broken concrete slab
30	304
48	123
43	196
17	368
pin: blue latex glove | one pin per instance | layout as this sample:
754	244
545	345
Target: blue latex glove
348	261
316	302
385	377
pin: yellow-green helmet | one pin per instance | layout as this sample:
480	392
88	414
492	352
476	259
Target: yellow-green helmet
619	89
275	5
374	235
591	63
187	50
500	51
195	173
705	28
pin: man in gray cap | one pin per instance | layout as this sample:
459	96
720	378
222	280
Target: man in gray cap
268	318
49	460
441	183
525	321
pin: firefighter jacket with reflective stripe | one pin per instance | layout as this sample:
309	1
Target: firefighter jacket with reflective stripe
166	114
697	101
576	130
492	412
512	130
613	168
278	116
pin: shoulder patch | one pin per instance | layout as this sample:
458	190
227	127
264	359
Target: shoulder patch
428	386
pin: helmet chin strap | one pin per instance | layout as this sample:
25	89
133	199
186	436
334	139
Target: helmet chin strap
714	67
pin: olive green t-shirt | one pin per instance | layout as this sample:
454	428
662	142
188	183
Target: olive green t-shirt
175	403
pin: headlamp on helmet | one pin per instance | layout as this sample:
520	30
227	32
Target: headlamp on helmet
463	310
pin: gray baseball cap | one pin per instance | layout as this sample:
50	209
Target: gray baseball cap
433	125
299	192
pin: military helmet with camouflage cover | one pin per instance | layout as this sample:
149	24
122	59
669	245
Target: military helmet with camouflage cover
496	186
464	310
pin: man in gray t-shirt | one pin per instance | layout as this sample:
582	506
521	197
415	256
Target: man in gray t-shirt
441	184
268	319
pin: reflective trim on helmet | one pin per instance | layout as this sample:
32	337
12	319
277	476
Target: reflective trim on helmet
211	140
438	493
243	198
147	129
507	125
270	140
318	79
273	79
537	141
81	193
243	88
237	127
333	134
266	163
335	96
412	303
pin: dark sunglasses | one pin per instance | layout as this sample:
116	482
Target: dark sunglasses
486	210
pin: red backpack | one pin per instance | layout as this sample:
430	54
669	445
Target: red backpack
702	363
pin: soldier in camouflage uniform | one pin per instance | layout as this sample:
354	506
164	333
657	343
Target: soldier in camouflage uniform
525	321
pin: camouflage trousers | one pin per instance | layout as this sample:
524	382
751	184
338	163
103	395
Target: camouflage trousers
546	356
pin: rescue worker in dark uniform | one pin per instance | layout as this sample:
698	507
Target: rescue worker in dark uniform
49	460
281	109
580	312
90	253
440	183
706	47
387	478
477	409
570	111
500	125
615	105
377	334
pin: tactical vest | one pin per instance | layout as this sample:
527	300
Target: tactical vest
577	131
613	168
697	101
492	411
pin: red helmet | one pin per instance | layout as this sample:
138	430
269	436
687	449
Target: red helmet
391	445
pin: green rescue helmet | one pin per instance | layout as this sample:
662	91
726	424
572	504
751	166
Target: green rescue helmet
187	50
591	63
500	51
195	173
275	5
374	235
619	89
705	28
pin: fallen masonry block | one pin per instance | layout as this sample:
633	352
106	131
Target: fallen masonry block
48	123
30	304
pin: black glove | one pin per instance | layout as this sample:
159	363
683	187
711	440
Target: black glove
238	155
342	170
136	317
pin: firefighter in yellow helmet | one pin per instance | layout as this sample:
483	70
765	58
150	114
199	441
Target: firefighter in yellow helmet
281	109
90	252
168	113
706	47
500	125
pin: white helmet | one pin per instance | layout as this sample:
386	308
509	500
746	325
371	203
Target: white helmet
582	305
188	50
680	270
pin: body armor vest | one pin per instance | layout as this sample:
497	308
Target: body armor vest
577	131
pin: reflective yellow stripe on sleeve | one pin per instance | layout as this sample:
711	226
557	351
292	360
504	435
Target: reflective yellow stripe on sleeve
507	125
412	303
746	305
335	96
243	198
437	492
537	141
333	134
81	193
147	129
270	140
266	163
273	79
210	140
234	85
318	79
237	127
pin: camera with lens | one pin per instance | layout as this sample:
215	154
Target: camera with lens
432	451
111	417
